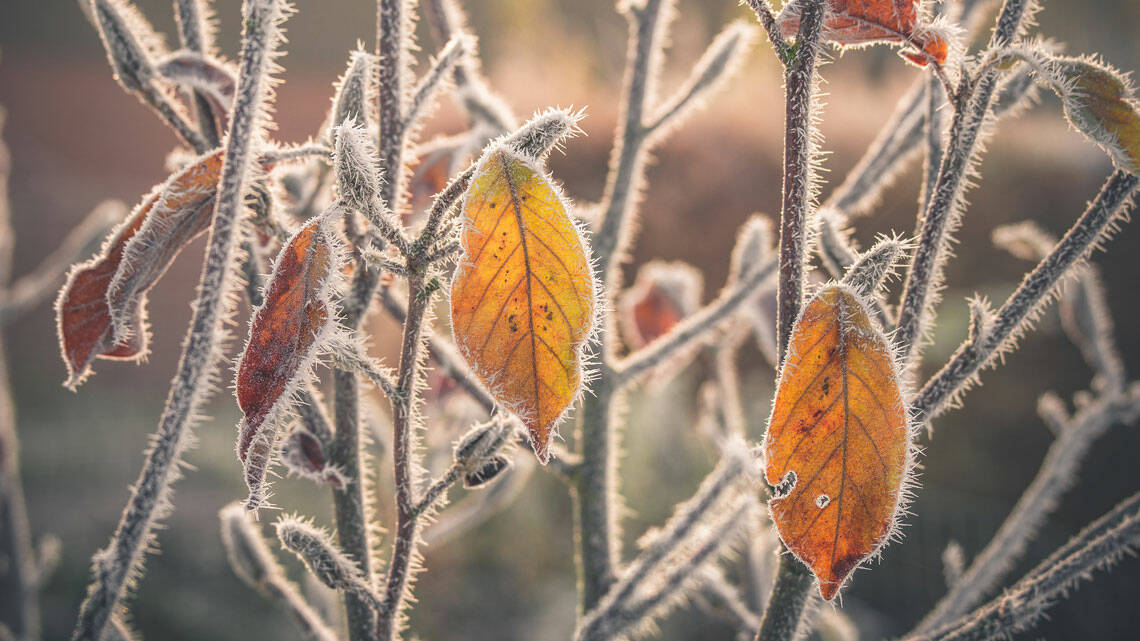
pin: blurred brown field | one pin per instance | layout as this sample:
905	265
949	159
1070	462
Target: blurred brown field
77	139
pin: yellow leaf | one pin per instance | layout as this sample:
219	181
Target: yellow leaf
838	439
522	299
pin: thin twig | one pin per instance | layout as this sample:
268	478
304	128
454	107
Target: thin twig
1097	547
956	376
1055	477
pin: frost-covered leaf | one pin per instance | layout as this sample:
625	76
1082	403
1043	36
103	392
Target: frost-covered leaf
1101	104
863	22
837	446
523	296
101	308
286	333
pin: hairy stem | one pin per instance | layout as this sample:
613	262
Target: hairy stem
972	356
793	580
798	90
404	422
942	216
115	565
1097	547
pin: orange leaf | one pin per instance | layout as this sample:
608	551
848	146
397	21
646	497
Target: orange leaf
522	299
174	213
284	336
838	439
862	22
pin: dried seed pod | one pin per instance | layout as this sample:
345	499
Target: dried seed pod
304	456
488	471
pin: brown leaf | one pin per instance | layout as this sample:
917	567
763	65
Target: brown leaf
662	296
285	334
837	446
181	207
863	22
522	299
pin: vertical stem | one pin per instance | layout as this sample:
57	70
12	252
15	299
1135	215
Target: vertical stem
19	602
352	516
798	90
794	581
19	599
790	596
349	504
403	423
596	530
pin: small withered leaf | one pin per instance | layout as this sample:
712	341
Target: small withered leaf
100	311
662	295
1099	103
285	335
838	442
523	296
863	22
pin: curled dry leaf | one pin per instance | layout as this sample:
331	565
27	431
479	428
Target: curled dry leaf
662	296
1100	103
286	333
101	308
523	297
864	22
837	447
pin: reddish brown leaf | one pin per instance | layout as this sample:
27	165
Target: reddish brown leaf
837	447
183	205
863	22
285	334
662	296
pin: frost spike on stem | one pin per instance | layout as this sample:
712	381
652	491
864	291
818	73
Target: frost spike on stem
1108	209
121	561
252	561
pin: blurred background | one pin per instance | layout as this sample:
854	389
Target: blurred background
76	139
